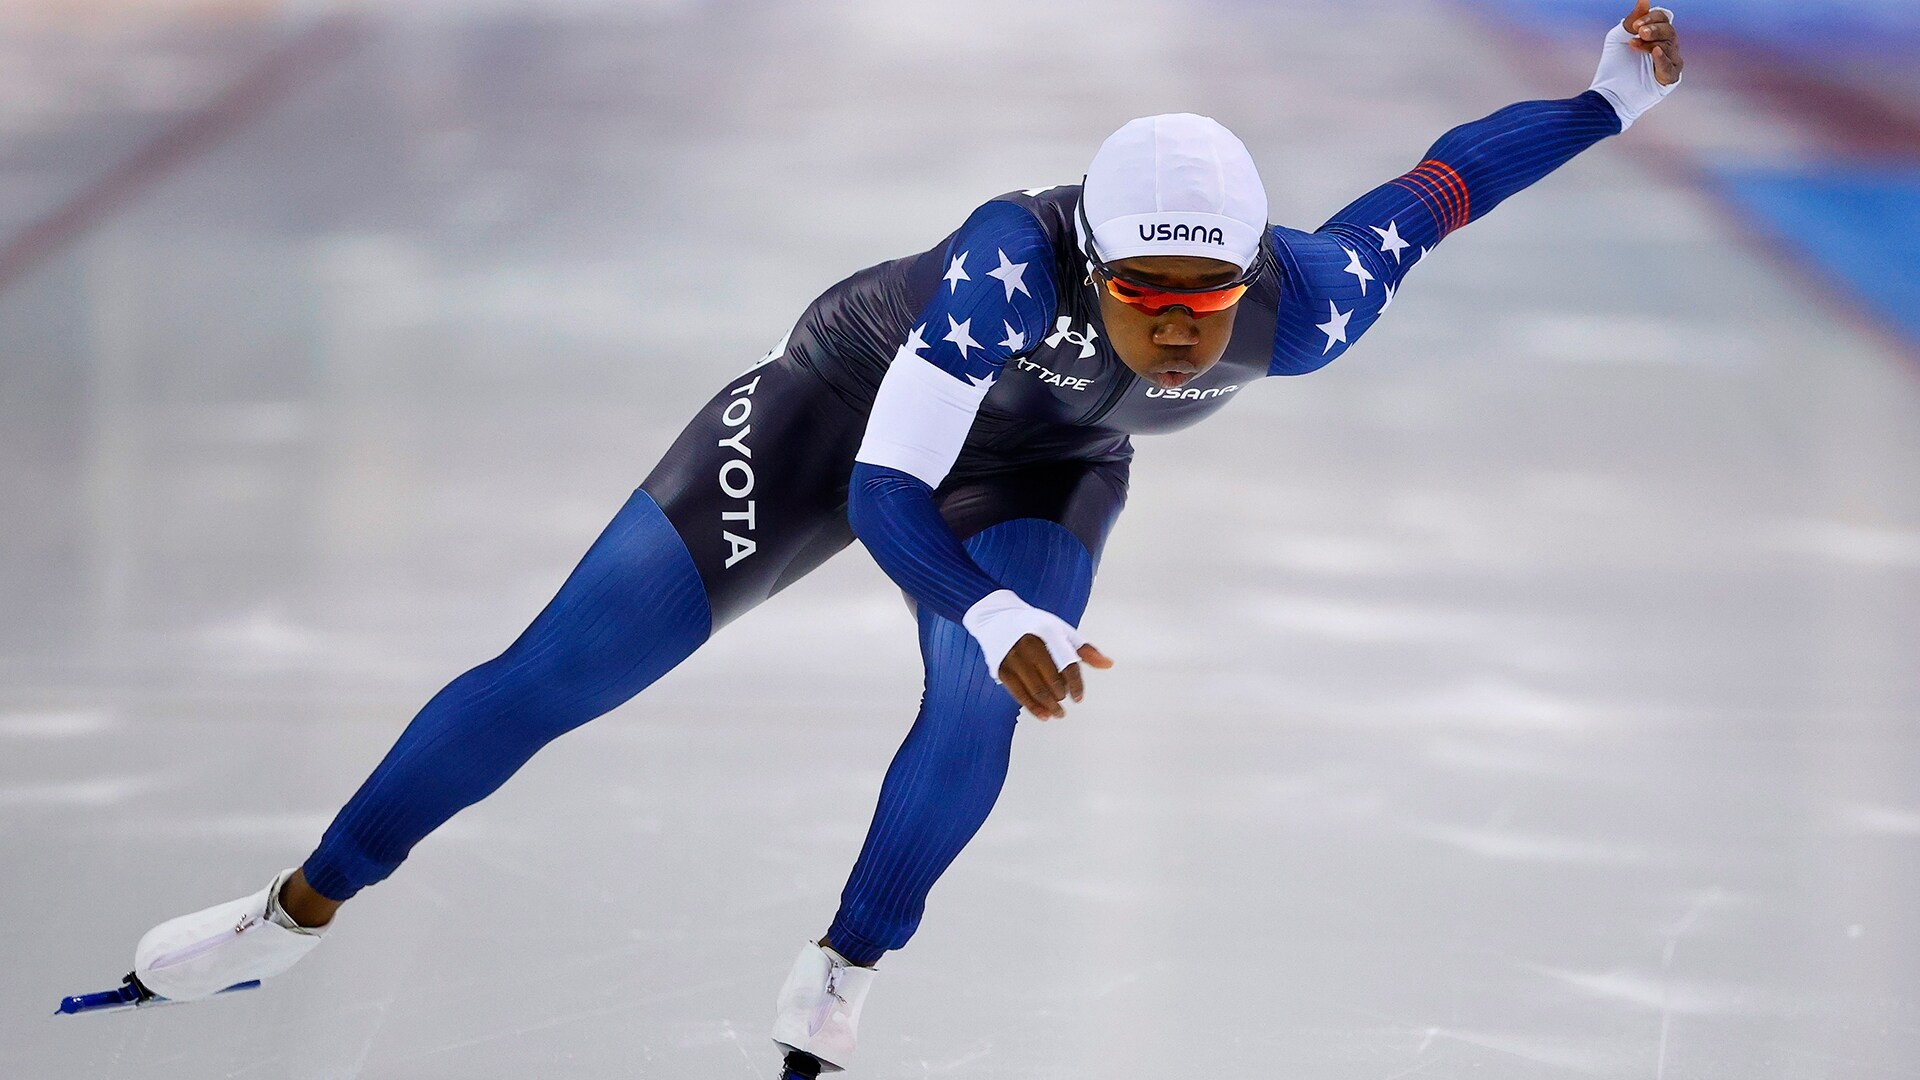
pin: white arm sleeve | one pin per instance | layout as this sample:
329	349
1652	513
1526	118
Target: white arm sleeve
1626	77
920	419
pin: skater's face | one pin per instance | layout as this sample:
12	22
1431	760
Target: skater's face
1177	345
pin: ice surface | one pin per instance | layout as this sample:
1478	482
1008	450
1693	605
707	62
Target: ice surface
1530	694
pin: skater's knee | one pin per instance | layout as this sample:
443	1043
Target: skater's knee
548	685
573	665
960	691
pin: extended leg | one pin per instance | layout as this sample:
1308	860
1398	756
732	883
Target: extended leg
714	530
631	610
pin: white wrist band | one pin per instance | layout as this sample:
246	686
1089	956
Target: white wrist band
1000	619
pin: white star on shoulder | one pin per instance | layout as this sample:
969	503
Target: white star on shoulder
1423	254
961	335
1011	274
1390	239
1015	339
1389	301
956	272
1354	268
1335	328
915	342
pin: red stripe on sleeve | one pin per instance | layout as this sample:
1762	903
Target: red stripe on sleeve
1436	196
1454	182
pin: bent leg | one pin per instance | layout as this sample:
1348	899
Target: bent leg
947	775
632	609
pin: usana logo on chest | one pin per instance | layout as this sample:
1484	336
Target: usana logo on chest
1190	393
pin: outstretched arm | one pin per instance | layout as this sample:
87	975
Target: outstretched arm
1358	258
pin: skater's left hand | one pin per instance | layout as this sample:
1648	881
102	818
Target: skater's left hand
1653	32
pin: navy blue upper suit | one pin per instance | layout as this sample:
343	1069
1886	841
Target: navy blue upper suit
993	457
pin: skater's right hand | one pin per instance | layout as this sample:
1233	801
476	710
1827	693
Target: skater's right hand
1030	676
1031	652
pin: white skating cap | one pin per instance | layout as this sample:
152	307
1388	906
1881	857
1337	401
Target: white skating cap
1175	184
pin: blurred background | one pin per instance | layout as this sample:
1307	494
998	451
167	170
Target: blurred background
1531	694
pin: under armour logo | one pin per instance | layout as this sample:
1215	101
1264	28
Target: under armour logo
1062	332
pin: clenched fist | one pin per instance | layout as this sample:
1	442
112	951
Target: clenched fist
1652	30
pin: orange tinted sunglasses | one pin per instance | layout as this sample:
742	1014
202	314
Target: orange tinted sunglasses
1154	299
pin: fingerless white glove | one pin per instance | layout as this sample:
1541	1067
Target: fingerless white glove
1001	619
1626	77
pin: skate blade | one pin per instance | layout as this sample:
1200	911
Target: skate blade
130	994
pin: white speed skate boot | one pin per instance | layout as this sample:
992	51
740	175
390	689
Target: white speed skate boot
198	955
819	1012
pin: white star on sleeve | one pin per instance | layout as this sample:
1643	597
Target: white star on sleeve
956	273
1358	271
1335	328
1010	275
1390	239
915	342
1015	339
1389	301
961	336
